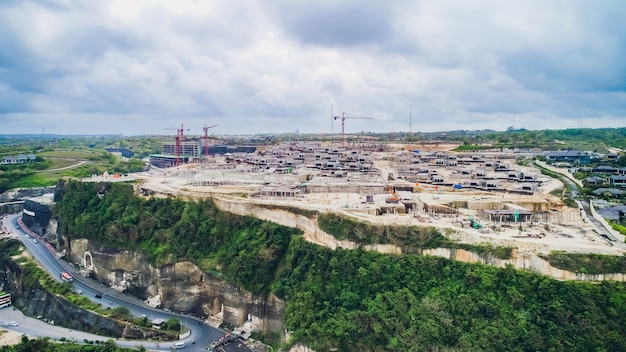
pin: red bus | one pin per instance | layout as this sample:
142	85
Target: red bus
65	276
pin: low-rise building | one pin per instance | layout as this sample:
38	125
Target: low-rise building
571	156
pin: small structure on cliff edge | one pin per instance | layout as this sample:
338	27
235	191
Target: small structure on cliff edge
157	323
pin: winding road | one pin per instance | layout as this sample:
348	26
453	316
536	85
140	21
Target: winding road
584	206
201	335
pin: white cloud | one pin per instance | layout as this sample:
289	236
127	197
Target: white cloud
274	67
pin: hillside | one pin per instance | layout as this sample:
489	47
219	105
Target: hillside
355	300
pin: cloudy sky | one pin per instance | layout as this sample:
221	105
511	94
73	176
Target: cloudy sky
139	66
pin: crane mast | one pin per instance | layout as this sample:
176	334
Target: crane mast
180	136
206	139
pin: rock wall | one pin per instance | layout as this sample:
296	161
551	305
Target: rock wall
300	348
11	208
37	217
181	286
184	287
312	233
309	226
35	301
24	193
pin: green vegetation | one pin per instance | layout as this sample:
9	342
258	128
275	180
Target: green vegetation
586	263
410	238
33	278
364	301
72	154
295	210
559	192
245	250
487	250
344	228
142	146
618	227
172	324
472	148
51	165
575	138
47	345
49	178
355	300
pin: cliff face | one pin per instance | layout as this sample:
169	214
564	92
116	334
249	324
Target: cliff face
22	193
12	202
37	217
37	301
182	286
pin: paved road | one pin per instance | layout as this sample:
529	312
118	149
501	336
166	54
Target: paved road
82	162
584	206
202	335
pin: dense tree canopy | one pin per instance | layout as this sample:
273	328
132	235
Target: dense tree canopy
355	300
244	249
358	300
46	345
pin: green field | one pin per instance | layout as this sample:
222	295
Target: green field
74	154
49	178
65	163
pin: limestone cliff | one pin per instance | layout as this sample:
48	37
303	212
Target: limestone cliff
38	217
181	286
35	301
23	193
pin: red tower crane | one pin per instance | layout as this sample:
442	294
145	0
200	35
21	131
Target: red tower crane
180	136
206	139
343	118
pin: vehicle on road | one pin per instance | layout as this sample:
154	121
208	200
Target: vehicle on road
34	240
79	292
5	324
65	276
13	323
179	345
98	295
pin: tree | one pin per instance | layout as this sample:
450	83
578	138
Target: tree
172	324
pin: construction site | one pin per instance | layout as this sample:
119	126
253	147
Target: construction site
471	197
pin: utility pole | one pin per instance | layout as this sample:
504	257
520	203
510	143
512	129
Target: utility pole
410	121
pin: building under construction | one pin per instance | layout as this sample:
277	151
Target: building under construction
192	150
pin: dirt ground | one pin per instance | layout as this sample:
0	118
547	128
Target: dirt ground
8	338
566	229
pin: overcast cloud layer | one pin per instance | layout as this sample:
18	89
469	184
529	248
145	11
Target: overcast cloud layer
139	66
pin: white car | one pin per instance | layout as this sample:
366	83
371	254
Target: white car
14	323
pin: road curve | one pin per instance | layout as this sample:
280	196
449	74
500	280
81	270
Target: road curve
201	337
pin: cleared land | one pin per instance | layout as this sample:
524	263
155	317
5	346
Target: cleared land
465	214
